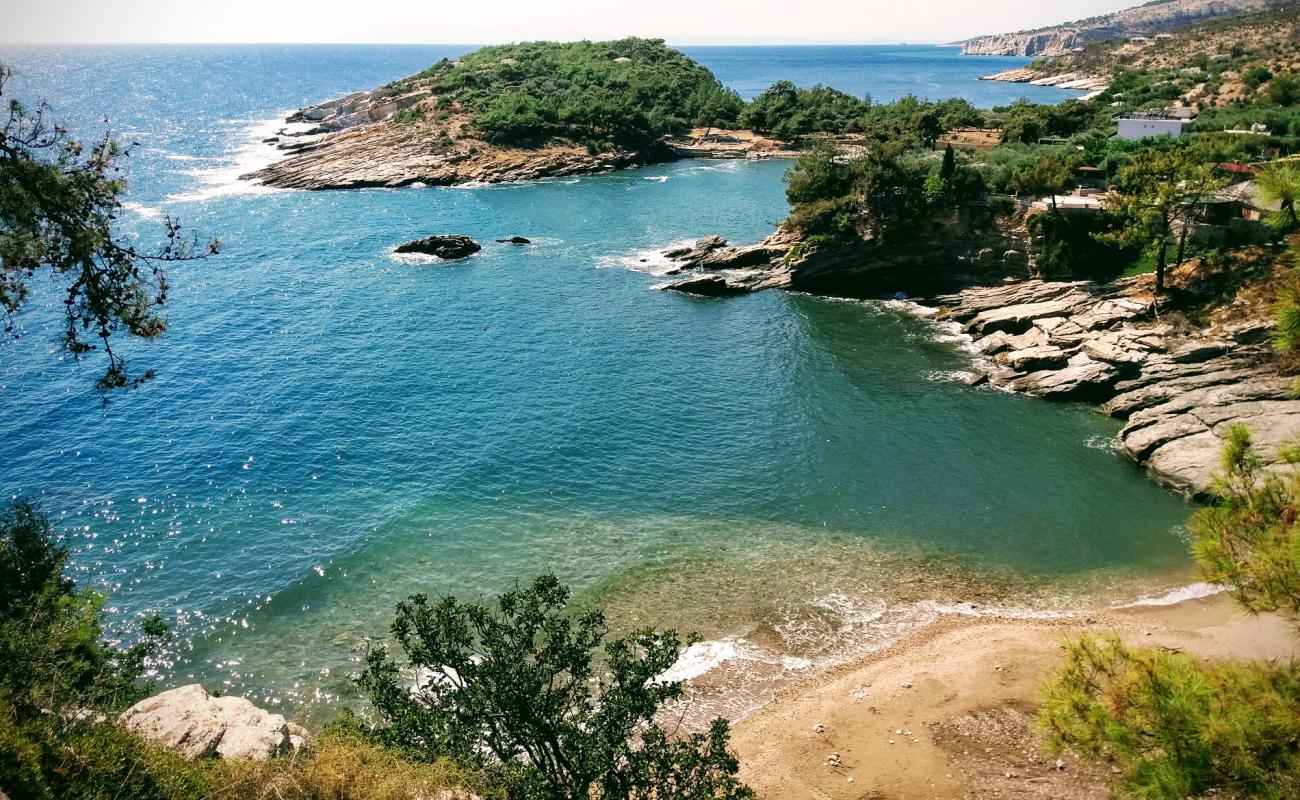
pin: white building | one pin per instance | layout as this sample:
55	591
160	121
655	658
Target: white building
1142	126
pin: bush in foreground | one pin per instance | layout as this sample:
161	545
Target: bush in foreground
518	689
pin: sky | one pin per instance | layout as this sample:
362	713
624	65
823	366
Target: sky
497	21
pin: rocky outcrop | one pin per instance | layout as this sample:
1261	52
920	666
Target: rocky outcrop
706	286
390	154
447	246
1050	42
1081	81
199	725
1178	392
955	248
515	240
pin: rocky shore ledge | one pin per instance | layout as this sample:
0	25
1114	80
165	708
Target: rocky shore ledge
1179	389
1092	84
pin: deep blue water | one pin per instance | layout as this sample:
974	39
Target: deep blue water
881	72
332	428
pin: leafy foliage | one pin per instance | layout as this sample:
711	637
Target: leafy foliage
51	635
1159	191
1078	247
58	204
631	91
1248	540
1177	727
517	688
788	112
1280	184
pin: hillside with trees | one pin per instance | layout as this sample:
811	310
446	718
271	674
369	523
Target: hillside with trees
1145	20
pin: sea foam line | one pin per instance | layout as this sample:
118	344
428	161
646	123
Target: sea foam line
250	153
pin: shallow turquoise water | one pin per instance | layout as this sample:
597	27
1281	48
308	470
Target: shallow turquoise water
333	428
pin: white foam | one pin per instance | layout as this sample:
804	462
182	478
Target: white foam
698	659
651	261
1192	591
423	258
658	178
142	210
250	154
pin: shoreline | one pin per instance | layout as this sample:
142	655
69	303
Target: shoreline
962	685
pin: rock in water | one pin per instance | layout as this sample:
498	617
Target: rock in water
447	246
706	286
202	726
514	240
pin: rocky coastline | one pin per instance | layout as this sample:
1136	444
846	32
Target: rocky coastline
1085	82
363	141
1178	387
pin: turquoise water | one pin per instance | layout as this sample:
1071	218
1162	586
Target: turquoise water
332	428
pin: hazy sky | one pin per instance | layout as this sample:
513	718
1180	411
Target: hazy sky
494	21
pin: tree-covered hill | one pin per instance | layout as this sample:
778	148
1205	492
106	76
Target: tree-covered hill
630	91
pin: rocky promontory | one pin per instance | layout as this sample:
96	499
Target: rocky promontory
1082	81
511	113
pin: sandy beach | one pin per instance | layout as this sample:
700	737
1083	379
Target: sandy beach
948	712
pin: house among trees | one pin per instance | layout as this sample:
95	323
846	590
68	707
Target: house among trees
1142	126
1232	215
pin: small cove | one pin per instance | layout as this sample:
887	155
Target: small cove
333	428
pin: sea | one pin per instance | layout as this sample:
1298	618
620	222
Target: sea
799	480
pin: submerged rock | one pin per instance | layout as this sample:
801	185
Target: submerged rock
447	246
706	286
199	725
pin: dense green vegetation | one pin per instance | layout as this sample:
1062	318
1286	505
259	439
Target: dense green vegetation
631	91
1177	727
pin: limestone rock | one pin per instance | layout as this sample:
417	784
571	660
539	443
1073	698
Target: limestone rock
447	246
199	725
1198	350
1080	379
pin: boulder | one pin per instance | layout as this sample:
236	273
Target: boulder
697	251
985	257
447	246
514	240
1034	358
199	725
705	286
1019	318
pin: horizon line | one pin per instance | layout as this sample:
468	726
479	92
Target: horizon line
823	43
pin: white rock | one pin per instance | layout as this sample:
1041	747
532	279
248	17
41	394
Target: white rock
199	725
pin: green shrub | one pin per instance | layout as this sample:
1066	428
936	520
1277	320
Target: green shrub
517	689
631	91
1179	728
